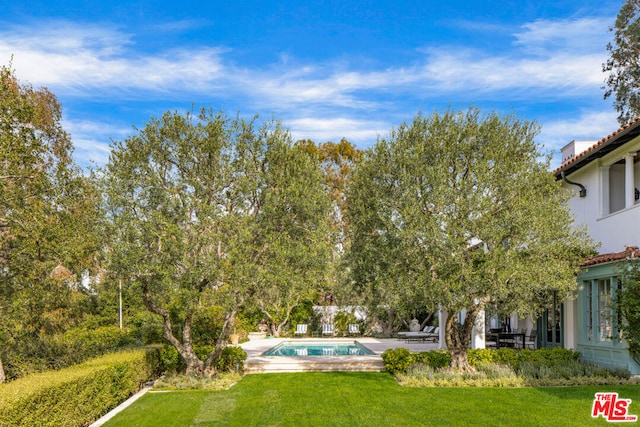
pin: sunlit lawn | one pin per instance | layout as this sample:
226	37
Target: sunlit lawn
366	399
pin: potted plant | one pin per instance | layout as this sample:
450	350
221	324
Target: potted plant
234	337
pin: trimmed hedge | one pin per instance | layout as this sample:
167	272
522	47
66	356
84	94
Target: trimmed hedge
77	395
39	354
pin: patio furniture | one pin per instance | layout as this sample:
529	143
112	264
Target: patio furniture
301	330
327	329
428	333
354	329
427	329
531	340
510	339
491	338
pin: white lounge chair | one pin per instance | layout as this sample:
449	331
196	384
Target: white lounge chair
354	329
425	330
301	330
428	333
327	329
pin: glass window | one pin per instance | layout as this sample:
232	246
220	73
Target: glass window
589	315
605	314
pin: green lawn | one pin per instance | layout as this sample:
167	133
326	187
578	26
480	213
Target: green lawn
366	399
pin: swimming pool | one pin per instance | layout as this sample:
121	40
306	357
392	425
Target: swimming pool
318	348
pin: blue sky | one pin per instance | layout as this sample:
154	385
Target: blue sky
326	69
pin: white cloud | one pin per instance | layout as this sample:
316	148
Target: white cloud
571	35
83	60
589	125
474	71
334	129
547	60
561	56
80	59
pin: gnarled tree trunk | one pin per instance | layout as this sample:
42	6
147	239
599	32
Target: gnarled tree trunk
458	338
195	366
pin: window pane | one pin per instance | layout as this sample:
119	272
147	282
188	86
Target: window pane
605	330
589	312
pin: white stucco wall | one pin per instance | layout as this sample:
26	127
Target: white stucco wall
615	230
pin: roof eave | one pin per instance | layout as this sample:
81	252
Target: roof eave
620	137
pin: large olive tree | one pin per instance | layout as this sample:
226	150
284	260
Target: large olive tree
457	210
209	211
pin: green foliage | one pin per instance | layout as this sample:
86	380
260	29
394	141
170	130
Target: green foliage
190	382
205	213
435	359
623	63
304	313
397	360
566	369
77	395
502	368
48	217
342	320
171	361
627	304
232	359
31	355
486	375
422	200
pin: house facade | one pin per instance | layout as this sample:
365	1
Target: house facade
604	177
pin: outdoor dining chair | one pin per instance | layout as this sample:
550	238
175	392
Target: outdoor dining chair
530	342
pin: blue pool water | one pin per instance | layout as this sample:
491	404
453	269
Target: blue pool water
319	348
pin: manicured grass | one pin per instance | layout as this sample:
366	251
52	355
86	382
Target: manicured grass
367	399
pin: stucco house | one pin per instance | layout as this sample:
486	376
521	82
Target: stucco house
604	176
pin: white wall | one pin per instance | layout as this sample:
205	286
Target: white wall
615	230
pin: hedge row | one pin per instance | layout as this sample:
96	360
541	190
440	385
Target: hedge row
29	356
77	395
399	360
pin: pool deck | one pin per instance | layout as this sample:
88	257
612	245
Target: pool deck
256	363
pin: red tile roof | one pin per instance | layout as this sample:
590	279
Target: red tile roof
629	252
604	141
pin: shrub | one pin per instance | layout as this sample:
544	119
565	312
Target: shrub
77	395
487	375
495	371
501	368
188	382
397	360
435	359
566	369
171	361
232	360
480	356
